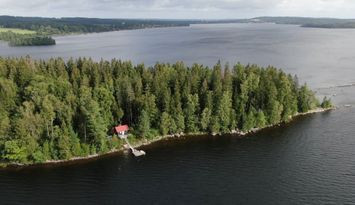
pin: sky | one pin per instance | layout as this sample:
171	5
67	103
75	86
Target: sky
178	9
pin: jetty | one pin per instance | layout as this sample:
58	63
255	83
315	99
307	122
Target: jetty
135	152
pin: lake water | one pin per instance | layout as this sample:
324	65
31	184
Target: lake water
321	57
309	161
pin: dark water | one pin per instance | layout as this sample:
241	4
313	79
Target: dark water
309	161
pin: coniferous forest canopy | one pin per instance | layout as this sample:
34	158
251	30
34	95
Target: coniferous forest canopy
53	109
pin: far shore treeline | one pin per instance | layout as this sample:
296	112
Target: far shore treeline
44	28
53	109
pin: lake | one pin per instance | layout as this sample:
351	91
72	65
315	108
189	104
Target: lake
321	57
308	161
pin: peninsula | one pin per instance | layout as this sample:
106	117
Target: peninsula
55	110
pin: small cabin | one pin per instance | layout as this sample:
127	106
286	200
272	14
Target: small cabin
122	130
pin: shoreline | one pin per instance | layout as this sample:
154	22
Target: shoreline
132	29
146	142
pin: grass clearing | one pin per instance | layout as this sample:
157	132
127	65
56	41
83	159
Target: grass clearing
17	30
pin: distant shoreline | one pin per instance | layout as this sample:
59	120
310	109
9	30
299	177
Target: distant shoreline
146	142
133	29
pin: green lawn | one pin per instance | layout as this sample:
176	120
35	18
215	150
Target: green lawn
18	31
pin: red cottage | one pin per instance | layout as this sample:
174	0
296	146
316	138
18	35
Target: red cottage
122	130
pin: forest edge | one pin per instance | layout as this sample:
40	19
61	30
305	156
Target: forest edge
145	142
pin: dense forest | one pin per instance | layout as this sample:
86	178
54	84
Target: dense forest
302	21
53	109
308	22
16	39
49	26
330	25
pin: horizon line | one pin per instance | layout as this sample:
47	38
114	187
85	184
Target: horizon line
176	19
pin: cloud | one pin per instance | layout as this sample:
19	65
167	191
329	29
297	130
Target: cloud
177	8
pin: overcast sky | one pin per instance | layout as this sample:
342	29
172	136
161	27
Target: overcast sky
182	9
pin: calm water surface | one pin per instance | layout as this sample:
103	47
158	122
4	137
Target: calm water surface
309	161
321	57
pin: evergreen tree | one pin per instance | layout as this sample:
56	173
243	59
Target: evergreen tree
306	99
53	109
224	112
165	123
260	119
143	123
326	103
191	117
206	119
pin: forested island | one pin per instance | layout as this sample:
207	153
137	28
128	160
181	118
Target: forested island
19	39
55	110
